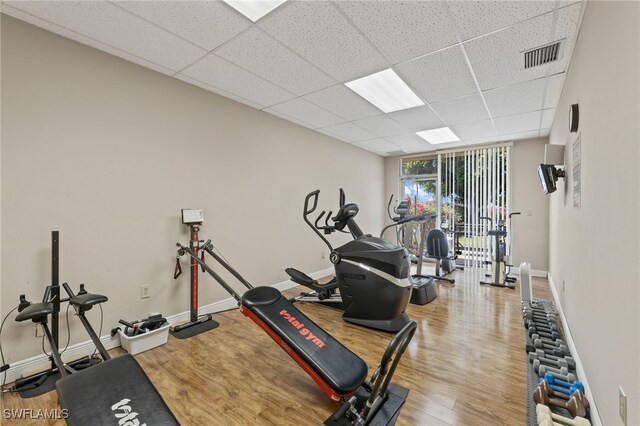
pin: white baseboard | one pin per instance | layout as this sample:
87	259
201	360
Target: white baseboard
41	362
538	273
582	376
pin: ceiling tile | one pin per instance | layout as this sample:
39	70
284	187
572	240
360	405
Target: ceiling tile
417	119
218	91
343	102
518	123
519	98
402	30
219	73
381	125
56	29
520	135
318	32
347	132
379	145
410	141
547	118
117	28
307	112
462	110
470	131
205	23
255	51
553	90
567	20
497	59
291	119
439	76
475	18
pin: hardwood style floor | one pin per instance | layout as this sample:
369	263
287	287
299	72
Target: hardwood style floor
466	365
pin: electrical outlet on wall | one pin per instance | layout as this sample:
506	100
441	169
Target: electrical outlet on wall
145	292
622	405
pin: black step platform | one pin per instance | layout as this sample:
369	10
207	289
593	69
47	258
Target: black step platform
113	392
336	369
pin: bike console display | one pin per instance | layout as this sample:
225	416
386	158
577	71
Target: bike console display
192	216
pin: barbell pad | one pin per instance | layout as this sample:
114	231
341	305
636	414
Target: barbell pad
544	412
567	378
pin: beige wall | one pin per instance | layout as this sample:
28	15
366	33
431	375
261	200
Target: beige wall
530	233
108	153
531	229
594	250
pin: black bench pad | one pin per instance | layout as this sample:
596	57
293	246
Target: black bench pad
117	390
338	367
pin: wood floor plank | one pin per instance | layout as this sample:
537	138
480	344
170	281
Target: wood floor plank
465	366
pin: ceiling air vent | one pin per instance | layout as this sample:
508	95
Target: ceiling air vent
394	153
542	55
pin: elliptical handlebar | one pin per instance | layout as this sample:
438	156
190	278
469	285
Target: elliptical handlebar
514	214
327	229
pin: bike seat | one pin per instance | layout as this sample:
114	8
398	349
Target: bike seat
36	312
86	301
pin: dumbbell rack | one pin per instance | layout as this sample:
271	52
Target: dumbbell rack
544	332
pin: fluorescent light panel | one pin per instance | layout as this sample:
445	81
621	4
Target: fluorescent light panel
386	91
254	9
436	136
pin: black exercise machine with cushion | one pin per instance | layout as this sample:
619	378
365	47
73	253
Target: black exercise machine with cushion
115	391
438	249
338	372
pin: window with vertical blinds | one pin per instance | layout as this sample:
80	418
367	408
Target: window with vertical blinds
473	184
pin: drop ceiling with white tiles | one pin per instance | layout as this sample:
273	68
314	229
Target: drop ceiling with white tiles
464	60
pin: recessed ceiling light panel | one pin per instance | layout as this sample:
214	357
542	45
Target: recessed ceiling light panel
436	136
254	9
386	91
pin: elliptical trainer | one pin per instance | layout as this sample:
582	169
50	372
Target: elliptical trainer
372	282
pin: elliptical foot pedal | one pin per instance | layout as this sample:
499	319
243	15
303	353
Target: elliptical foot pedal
424	290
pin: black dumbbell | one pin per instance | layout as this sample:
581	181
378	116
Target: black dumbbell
552	326
540	309
552	335
558	373
547	341
539	316
561	365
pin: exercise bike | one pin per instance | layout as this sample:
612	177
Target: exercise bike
372	282
501	260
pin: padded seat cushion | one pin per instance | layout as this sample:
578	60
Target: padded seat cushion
338	367
114	392
35	312
88	300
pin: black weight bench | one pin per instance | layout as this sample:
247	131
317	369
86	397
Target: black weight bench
113	392
337	370
340	373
